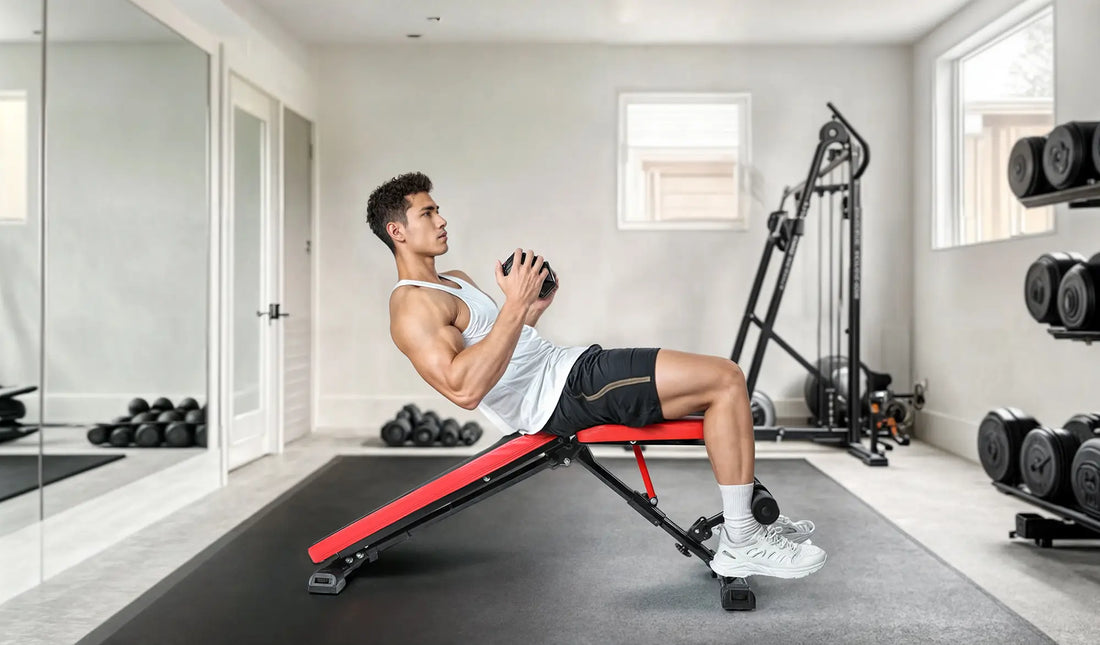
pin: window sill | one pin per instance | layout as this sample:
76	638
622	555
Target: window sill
738	225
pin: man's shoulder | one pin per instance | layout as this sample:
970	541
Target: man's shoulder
459	274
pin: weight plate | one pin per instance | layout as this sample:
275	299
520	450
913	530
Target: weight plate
1083	426
999	446
763	410
1086	477
1025	167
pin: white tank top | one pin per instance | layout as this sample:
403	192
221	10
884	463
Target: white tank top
525	397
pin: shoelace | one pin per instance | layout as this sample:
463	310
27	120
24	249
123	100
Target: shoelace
776	539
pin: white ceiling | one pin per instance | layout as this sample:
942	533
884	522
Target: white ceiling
611	21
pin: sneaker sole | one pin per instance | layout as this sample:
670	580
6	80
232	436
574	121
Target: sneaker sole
747	569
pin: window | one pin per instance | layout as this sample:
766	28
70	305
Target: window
1003	90
683	161
13	156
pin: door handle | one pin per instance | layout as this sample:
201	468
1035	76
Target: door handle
272	312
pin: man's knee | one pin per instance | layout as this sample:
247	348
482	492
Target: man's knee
728	381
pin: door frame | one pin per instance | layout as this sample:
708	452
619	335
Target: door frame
240	91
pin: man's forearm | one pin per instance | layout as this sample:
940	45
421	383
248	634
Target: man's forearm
478	367
533	317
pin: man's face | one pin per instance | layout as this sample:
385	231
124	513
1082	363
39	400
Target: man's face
425	233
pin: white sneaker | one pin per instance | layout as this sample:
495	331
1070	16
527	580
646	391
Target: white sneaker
797	532
769	554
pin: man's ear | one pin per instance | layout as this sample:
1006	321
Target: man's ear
395	231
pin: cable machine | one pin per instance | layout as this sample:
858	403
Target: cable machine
839	161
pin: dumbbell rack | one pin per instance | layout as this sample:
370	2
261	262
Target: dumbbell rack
1087	196
1075	524
1062	333
1031	526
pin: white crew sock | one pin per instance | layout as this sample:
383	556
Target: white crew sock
740	525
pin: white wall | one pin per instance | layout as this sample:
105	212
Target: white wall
521	144
973	338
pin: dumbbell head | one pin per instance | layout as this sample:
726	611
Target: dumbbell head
470	433
149	435
1042	281
1079	296
100	433
1067	160
1084	426
179	434
137	406
121	436
187	405
1025	167
200	435
449	433
548	284
144	417
195	417
396	432
411	412
163	404
170	416
426	432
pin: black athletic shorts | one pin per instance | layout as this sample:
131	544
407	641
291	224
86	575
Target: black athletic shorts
608	386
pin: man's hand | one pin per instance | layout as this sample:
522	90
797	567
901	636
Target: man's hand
523	282
540	305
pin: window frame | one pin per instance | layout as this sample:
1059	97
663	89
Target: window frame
949	127
22	96
743	161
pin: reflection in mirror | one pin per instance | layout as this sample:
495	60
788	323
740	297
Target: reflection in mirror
20	293
127	219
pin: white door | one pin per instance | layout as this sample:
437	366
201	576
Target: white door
297	275
252	265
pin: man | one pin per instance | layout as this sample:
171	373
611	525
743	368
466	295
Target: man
481	356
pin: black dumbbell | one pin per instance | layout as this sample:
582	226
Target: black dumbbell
1042	281
449	433
122	436
163	404
195	417
200	435
397	431
1067	160
548	284
1025	168
149	435
411	412
1084	426
179	434
764	507
1079	296
100	433
137	406
470	433
187	405
426	432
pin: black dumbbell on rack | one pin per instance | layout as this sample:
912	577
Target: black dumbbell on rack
399	430
150	426
470	433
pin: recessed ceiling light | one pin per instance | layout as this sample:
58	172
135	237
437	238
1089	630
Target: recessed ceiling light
412	35
433	18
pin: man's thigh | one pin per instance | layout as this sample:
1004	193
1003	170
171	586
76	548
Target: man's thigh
609	386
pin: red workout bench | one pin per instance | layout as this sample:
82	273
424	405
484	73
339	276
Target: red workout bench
511	460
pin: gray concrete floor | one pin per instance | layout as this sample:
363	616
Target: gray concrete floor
942	501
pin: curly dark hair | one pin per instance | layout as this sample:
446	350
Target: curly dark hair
389	202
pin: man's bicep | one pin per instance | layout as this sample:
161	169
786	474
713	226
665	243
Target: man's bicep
432	348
